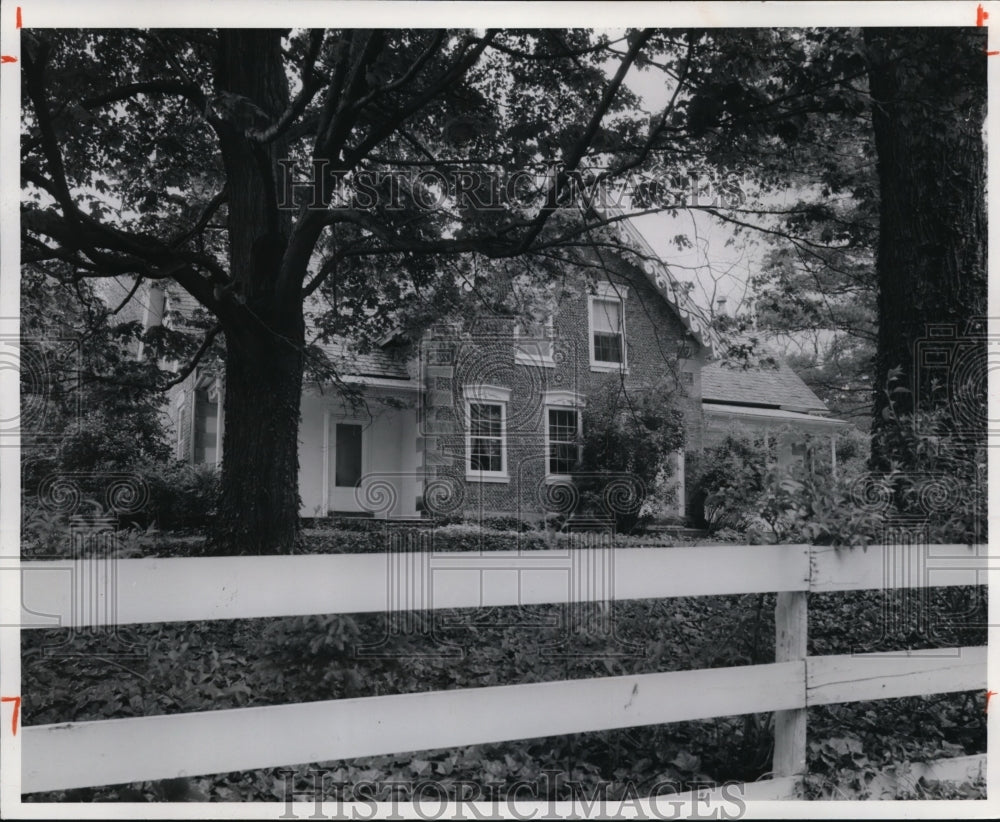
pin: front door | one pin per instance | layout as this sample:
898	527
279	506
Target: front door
348	465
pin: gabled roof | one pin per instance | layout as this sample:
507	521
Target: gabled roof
764	387
663	280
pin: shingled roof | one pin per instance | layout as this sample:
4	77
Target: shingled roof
374	363
761	387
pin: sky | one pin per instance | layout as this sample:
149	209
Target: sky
718	263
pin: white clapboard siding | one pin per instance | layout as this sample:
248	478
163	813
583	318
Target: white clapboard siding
886	567
157	747
103	592
858	677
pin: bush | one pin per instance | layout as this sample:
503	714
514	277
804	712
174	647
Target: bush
627	440
728	481
181	495
456	537
933	483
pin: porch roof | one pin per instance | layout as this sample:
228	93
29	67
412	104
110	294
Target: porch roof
771	415
778	387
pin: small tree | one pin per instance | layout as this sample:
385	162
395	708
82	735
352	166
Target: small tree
628	436
729	479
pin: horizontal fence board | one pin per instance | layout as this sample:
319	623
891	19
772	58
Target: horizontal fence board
113	751
857	677
78	593
886	567
958	769
764	790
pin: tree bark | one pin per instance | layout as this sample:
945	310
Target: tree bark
263	321
259	507
929	102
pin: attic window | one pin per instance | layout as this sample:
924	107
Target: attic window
607	332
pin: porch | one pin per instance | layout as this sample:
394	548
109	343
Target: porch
360	458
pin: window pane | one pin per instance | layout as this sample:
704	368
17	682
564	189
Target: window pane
485	455
607	347
563	448
484	420
607	316
562	458
347	462
562	425
206	421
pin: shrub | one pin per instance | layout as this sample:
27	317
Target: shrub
933	481
181	495
627	439
728	481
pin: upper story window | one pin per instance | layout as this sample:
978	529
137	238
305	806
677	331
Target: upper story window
486	433
533	342
607	328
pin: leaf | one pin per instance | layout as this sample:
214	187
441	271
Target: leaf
686	762
420	766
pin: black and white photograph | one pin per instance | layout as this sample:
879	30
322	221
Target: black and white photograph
483	411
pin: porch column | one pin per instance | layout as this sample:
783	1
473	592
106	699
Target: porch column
325	478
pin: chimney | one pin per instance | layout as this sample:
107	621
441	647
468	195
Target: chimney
720	307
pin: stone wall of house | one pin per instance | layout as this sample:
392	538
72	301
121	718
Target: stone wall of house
657	345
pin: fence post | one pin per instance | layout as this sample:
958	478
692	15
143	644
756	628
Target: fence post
791	623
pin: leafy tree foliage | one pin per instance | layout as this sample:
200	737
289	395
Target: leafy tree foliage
628	437
173	155
880	134
87	402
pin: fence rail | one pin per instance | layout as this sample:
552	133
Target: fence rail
79	593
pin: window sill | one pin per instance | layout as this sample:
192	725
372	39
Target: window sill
535	360
563	479
608	366
481	476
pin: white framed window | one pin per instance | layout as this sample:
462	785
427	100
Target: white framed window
533	343
563	433
206	428
486	433
607	329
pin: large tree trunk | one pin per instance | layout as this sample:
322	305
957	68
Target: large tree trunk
929	102
263	323
259	508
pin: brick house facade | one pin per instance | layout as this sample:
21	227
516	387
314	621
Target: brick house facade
534	390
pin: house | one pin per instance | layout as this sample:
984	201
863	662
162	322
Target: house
771	401
482	420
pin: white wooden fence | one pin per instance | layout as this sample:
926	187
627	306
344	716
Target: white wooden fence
81	593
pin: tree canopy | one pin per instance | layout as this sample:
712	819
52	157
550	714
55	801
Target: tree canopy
374	179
